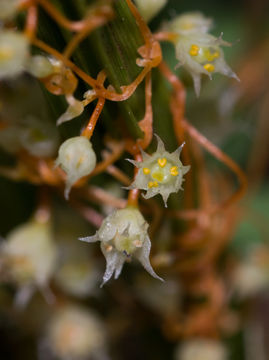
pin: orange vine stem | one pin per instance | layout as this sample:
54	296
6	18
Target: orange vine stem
31	21
178	111
215	151
100	18
134	193
88	131
61	19
146	33
146	123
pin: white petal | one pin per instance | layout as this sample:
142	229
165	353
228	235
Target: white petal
90	239
160	146
197	83
113	263
143	256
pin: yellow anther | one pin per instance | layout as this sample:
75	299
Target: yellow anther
211	56
158	175
194	50
146	171
209	67
80	161
162	162
152	184
174	171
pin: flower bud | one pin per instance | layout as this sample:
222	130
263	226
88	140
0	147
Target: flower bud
192	22
123	235
150	8
202	349
30	253
40	66
75	333
77	158
39	138
159	173
14	50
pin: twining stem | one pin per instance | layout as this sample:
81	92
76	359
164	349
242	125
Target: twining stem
134	193
31	21
215	151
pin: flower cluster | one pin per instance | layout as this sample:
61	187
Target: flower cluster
159	173
123	234
197	50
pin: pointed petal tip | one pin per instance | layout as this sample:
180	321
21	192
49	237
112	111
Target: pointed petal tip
89	239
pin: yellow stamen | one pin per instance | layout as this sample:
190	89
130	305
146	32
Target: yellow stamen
158	175
152	184
209	67
211	56
146	171
194	50
174	171
80	161
162	162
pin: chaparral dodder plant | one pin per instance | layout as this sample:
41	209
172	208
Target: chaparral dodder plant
84	86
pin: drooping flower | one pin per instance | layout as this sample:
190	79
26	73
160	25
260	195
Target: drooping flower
123	235
77	158
14	52
39	138
200	53
29	257
191	22
159	173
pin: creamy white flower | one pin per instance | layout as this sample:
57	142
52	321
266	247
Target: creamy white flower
192	22
75	333
30	254
14	52
201	54
77	158
8	9
249	279
150	8
39	66
123	235
159	173
202	349
39	138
